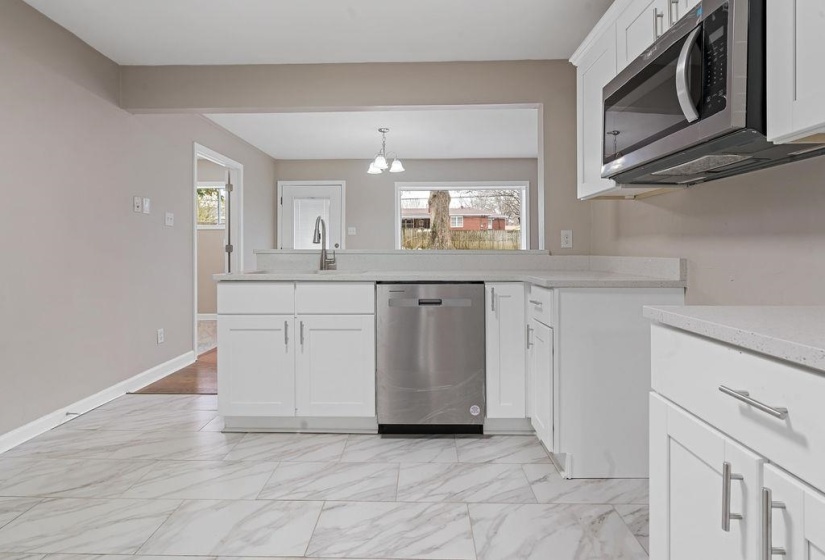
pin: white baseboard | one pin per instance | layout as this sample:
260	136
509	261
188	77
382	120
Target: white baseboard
508	426
60	416
304	424
207	316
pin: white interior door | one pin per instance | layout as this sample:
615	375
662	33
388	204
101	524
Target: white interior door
301	202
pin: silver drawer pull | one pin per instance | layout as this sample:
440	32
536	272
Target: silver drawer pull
727	476
744	396
768	505
536	302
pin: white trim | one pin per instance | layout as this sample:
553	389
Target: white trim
234	170
45	423
207	316
304	424
206	226
467	185
280	206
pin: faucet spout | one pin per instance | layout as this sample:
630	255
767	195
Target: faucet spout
320	236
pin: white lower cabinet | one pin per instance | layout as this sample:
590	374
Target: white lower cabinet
540	356
795	515
335	365
256	365
732	477
506	362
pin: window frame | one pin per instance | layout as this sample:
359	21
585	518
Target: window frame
210	185
524	186
459	222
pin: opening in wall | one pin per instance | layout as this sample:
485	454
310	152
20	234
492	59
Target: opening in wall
481	216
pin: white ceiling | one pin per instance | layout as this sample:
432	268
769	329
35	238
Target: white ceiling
162	32
414	134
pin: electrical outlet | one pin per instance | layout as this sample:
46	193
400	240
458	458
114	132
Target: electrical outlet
170	219
137	204
147	206
351	230
161	336
567	239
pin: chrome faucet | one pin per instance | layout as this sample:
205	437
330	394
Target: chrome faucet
320	236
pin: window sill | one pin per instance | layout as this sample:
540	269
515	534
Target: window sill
210	227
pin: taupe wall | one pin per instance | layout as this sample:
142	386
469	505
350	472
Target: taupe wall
752	239
210	261
86	282
335	86
209	171
370	204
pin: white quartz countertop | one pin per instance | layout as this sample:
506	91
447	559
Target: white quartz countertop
795	334
545	278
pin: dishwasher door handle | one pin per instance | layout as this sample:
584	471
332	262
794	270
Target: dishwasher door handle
430	302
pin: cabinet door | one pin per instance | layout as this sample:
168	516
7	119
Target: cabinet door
595	70
335	371
690	494
796	82
256	365
506	359
637	27
542	348
798	524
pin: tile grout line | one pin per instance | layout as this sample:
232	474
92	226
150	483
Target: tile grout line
314	527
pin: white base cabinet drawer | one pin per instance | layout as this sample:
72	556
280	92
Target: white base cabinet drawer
540	304
327	298
689	370
256	298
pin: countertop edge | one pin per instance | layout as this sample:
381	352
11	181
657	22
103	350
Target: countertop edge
773	346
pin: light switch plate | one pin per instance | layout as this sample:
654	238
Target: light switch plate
137	204
170	219
147	206
161	336
567	239
351	230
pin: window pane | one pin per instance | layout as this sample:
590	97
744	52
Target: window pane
482	218
211	206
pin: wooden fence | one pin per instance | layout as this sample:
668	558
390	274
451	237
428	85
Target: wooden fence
478	240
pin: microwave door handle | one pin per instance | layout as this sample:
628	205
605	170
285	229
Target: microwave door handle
682	84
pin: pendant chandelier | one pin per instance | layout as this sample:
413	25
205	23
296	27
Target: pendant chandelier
379	164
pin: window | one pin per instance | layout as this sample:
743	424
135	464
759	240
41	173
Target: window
482	216
211	207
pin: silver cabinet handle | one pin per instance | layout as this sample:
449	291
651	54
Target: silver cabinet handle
682	79
775	411
536	302
286	333
727	476
656	17
529	330
302	334
768	505
670	10
492	299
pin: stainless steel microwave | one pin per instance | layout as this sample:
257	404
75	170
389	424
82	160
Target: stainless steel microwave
692	107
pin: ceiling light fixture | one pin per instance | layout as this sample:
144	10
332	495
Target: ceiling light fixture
379	164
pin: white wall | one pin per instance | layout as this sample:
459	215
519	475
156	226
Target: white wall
84	281
370	204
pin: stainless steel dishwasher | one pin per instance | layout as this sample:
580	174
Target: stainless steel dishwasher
431	357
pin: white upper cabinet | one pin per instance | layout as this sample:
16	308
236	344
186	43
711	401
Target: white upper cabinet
505	350
335	365
795	77
596	68
637	27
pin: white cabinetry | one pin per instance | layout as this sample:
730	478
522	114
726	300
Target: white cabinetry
540	355
637	27
259	351
595	69
335	374
796	82
733	472
287	350
506	367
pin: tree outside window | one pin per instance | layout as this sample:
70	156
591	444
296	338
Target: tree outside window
211	206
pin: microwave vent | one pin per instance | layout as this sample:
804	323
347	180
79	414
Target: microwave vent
702	165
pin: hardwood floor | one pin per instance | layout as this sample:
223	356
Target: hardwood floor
201	378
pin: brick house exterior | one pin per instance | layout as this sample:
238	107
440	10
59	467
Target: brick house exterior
461	219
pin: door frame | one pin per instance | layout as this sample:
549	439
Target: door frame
236	221
279	202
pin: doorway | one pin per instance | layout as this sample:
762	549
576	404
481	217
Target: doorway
299	205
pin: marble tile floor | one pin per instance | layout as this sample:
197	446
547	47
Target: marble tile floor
153	477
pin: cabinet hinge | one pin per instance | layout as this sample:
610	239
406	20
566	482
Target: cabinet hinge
230	187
